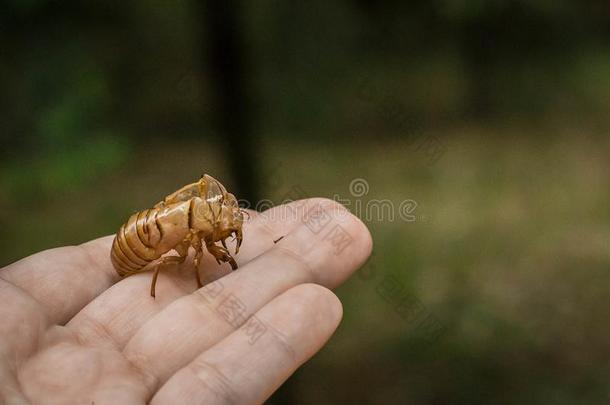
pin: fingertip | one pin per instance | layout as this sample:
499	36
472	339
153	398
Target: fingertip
364	234
320	301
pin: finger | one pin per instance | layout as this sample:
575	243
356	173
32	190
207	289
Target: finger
65	279
252	362
196	322
23	324
115	316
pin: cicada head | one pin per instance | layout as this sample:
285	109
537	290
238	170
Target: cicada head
229	216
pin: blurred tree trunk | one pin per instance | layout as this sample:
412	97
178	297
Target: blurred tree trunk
479	46
226	56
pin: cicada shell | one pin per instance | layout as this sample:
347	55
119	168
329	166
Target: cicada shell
198	215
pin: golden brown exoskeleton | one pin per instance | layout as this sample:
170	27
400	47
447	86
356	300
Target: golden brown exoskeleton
198	214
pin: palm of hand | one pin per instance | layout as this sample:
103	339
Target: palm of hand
71	332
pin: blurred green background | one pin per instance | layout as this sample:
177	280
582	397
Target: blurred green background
491	116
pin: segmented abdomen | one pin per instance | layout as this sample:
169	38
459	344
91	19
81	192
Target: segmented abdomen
134	244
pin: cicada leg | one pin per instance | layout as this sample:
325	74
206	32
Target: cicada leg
221	254
182	250
196	244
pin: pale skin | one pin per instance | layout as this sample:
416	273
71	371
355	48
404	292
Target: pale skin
73	332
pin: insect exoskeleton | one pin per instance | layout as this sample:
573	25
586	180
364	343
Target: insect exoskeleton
197	215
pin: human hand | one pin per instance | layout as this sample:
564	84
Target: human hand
72	332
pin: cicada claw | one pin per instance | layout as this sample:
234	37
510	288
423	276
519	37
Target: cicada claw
239	236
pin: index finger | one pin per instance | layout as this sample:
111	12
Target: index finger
65	279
